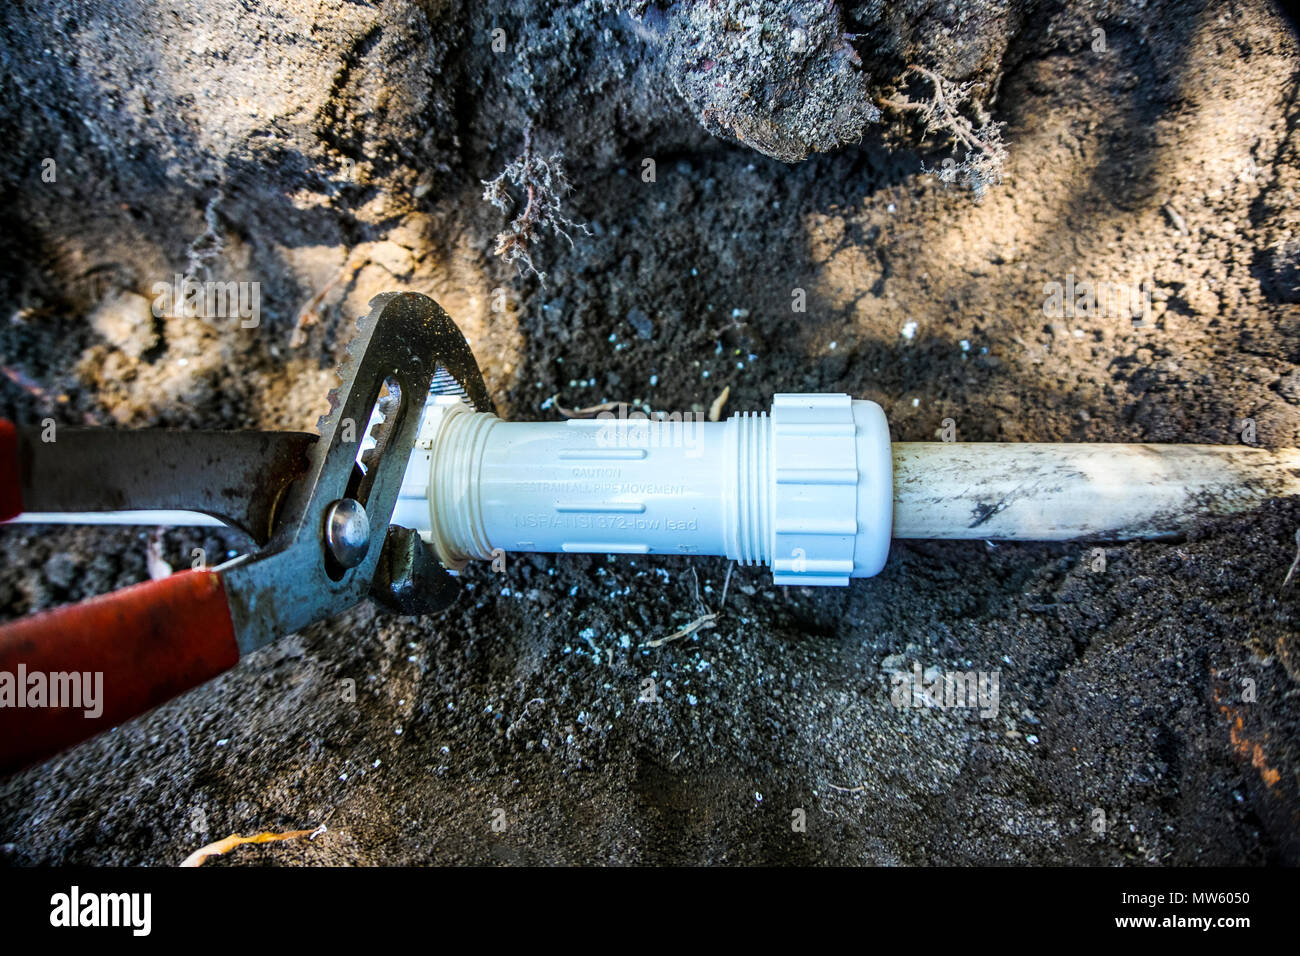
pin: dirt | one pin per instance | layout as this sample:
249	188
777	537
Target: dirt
1148	710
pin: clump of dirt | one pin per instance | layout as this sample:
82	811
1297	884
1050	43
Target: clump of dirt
1148	710
781	77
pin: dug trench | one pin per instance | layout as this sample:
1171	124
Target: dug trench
1149	705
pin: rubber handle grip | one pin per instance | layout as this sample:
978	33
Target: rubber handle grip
108	659
11	475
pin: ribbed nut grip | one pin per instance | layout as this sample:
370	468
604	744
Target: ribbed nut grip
815	482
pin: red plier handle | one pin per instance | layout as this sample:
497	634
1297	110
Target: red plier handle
124	653
11	472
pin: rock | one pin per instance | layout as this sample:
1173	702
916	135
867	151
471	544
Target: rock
60	570
641	322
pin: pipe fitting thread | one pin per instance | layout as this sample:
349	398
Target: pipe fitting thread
748	488
455	498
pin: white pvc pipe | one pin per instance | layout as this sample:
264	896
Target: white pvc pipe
1059	492
815	490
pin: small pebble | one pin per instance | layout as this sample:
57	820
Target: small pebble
641	322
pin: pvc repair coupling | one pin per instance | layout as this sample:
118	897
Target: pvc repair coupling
807	490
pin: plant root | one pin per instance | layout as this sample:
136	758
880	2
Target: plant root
222	847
